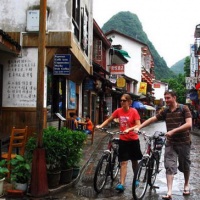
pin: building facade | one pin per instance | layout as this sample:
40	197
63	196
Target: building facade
68	61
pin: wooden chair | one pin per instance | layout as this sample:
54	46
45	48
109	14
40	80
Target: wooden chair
91	136
69	123
17	144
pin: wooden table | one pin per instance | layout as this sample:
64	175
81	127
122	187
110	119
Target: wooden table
82	124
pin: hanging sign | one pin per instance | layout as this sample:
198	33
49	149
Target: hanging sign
62	64
121	82
143	88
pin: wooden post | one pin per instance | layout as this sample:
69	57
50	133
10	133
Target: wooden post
39	186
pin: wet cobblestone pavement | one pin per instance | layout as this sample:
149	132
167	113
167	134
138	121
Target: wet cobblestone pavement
83	189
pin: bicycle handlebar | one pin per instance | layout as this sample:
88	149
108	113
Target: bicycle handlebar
156	135
110	132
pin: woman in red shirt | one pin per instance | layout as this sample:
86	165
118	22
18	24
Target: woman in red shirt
129	144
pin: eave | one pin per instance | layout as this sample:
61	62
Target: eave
55	41
8	44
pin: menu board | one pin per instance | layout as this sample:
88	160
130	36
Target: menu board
20	80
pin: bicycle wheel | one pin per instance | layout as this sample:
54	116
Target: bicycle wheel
153	170
140	180
101	173
115	166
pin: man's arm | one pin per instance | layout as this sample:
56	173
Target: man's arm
187	125
148	122
145	123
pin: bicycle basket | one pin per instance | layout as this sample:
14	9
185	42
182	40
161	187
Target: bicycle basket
159	142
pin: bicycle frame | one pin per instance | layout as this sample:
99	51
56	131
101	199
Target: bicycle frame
107	163
148	167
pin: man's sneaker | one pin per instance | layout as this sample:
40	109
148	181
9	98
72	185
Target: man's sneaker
137	183
120	188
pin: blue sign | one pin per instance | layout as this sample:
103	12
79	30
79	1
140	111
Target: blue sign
62	64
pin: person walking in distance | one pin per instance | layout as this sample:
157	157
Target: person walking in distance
178	120
129	145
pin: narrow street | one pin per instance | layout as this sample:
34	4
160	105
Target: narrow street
83	190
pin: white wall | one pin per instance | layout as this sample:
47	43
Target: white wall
13	14
133	67
159	92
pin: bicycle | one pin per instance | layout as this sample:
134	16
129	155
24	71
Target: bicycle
148	167
108	163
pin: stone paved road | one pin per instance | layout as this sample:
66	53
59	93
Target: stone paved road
83	190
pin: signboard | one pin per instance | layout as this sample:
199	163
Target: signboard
156	85
62	64
117	69
72	95
20	80
190	82
143	88
121	82
89	84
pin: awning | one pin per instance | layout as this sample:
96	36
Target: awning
138	105
118	57
147	107
124	53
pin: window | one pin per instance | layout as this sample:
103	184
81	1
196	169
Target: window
84	30
97	52
76	17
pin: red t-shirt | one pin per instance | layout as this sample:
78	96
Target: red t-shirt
126	120
89	125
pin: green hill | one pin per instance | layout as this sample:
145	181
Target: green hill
178	67
129	24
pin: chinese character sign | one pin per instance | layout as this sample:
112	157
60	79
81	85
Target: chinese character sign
117	69
20	80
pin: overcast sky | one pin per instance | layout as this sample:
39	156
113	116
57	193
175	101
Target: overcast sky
169	24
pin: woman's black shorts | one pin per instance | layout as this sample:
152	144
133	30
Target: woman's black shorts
129	150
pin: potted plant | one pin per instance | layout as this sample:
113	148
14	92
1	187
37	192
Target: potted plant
3	171
72	152
20	173
30	146
54	146
66	159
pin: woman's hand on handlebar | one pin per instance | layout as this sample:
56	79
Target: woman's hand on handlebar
136	128
126	131
98	126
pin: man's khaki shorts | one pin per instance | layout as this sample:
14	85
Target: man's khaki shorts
177	153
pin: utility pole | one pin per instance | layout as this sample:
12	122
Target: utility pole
39	186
